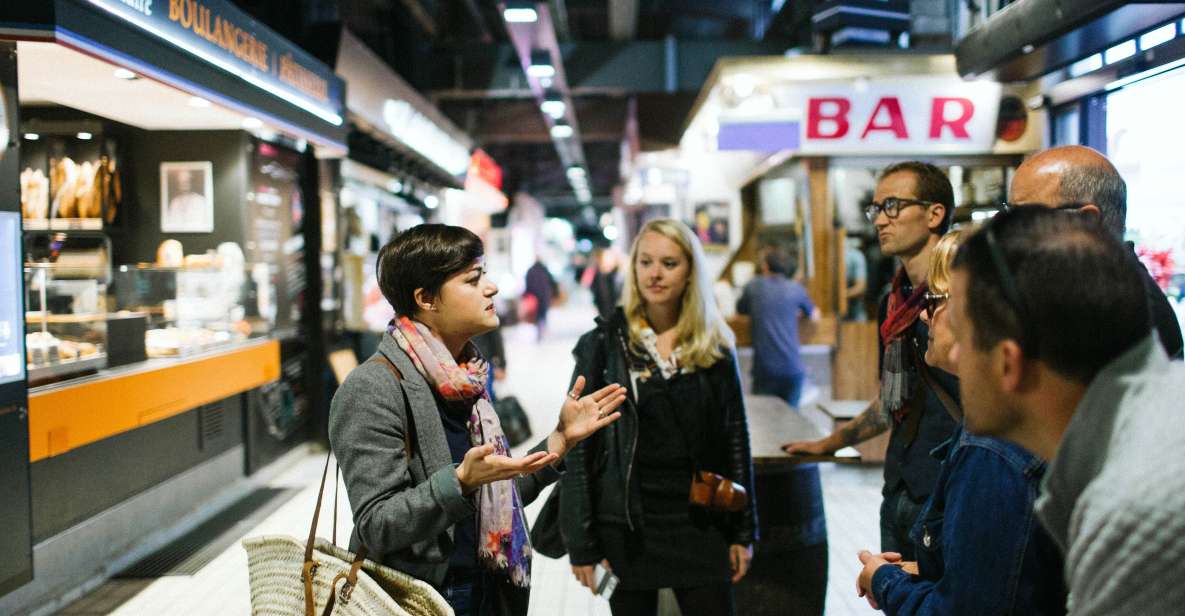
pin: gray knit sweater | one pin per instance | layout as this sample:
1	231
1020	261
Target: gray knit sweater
1114	494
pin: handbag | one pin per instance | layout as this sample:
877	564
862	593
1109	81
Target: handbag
711	491
515	423
316	577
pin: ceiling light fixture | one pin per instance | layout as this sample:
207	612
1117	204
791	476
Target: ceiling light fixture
561	130
252	123
431	201
541	65
553	105
85	136
576	171
32	136
197	101
520	12
123	73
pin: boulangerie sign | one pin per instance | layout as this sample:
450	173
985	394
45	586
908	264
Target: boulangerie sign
909	115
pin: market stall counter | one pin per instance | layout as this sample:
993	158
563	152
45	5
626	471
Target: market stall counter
789	572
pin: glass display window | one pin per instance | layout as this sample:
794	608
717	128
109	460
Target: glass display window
1145	131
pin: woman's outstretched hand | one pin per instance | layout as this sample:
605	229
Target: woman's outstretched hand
581	417
481	466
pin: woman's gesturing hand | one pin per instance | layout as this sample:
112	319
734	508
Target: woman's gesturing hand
481	466
581	417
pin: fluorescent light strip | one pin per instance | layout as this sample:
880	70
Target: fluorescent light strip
309	106
1086	65
1152	72
520	16
1159	36
84	45
1120	52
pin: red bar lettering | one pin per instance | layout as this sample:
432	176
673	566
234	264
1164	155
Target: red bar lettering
836	114
896	120
958	125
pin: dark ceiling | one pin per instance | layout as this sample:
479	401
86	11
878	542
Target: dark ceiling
626	59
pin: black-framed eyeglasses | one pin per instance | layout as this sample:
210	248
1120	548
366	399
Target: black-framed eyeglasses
1011	291
932	302
1008	206
891	206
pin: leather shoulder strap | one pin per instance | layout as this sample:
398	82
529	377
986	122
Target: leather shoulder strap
409	435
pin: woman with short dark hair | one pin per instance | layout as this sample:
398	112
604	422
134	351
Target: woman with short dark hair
428	470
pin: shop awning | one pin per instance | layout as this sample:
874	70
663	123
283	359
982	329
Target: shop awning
209	48
1030	38
385	107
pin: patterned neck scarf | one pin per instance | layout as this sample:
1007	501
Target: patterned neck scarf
503	543
897	378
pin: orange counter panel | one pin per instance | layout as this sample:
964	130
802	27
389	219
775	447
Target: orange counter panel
64	418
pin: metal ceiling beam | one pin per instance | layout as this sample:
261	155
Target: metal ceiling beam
475	13
421	16
623	19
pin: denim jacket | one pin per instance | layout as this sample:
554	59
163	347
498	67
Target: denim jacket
980	547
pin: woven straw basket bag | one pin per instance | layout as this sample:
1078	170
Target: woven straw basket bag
290	577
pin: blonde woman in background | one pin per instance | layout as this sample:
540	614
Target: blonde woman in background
625	497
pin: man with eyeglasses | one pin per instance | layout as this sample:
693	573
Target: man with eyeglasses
1079	179
911	210
1054	352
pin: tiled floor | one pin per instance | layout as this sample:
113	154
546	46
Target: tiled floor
538	375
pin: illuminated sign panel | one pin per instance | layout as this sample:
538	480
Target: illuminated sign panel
903	116
221	34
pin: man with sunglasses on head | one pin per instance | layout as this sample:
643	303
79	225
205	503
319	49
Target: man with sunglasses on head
1079	179
911	210
1054	347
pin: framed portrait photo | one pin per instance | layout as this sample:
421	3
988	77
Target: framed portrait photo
711	224
187	197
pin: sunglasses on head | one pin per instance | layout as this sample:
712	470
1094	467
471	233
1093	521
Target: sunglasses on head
1008	206
932	302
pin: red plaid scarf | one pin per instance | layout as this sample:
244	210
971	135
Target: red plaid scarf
896	378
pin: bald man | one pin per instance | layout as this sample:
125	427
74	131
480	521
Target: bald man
1081	179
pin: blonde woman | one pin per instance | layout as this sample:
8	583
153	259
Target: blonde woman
625	498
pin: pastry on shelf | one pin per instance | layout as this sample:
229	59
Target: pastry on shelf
108	187
34	194
87	198
170	253
41	348
63	185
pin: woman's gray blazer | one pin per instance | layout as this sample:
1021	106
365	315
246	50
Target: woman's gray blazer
404	509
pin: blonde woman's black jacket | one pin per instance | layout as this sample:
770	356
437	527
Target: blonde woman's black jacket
601	485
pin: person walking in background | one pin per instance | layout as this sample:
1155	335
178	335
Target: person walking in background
979	548
541	285
776	302
1056	351
606	282
625	500
911	211
855	279
1079	179
427	468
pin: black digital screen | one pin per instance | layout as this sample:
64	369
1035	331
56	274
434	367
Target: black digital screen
12	318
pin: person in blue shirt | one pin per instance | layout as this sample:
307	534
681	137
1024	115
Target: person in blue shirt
978	543
775	302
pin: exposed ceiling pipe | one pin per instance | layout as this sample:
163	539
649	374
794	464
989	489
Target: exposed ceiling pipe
623	19
535	45
559	9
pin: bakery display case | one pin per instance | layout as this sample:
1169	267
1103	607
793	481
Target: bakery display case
190	309
66	278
